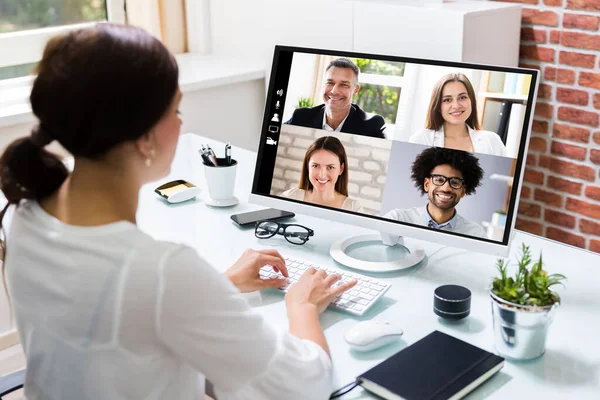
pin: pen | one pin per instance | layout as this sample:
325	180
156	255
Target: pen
228	153
211	155
205	158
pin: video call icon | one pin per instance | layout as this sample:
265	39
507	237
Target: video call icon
280	92
271	141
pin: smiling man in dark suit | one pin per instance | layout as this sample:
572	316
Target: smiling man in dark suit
338	113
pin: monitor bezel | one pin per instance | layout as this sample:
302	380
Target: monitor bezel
378	223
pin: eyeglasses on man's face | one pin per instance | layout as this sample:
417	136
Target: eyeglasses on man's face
454	181
293	233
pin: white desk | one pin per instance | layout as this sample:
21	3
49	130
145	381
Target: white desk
569	369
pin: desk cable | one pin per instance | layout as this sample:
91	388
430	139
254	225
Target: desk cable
344	389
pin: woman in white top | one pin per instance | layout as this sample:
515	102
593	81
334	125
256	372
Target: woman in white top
324	176
452	119
103	310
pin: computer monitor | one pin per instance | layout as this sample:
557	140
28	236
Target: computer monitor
425	149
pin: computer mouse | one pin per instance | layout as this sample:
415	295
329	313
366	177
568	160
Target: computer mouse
370	335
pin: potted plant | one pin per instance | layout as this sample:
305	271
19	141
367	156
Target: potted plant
303	102
499	218
523	307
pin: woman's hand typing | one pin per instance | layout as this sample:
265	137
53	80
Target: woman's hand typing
244	273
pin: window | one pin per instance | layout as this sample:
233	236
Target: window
26	25
380	87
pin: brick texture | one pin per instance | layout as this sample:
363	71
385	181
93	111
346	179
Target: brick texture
577	59
565	237
564	185
595	245
559	218
539	126
560	75
583	207
590	5
553	3
589	79
571	169
573	133
533	176
530	209
537	17
578	116
581	21
580	40
568	150
533	35
529	226
538	144
572	96
596	100
544	110
544	91
550	198
590	227
593	192
537	53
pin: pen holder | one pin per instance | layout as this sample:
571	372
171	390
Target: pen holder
221	179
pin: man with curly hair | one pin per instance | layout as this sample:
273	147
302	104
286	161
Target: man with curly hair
446	176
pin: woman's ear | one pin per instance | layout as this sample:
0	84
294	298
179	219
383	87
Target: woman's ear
146	144
342	165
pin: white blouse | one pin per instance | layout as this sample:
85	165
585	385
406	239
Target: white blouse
108	312
348	204
485	142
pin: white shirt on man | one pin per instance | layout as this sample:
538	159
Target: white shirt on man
420	216
108	312
326	126
485	142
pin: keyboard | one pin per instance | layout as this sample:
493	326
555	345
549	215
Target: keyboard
355	301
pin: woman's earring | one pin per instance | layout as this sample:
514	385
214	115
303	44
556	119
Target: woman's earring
150	158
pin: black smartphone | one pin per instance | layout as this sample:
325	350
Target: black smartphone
269	214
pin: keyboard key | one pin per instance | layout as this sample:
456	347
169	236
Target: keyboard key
355	301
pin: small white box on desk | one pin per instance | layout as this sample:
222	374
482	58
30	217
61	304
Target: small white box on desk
471	31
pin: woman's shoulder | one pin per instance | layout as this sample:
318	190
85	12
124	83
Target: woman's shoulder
423	137
351	205
494	141
294	193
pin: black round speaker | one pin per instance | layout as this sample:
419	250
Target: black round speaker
452	301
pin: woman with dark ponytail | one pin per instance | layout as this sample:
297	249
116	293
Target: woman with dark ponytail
103	310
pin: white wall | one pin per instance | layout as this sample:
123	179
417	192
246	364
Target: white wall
302	76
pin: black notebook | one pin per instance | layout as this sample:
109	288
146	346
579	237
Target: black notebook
436	367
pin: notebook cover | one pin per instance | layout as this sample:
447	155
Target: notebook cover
436	367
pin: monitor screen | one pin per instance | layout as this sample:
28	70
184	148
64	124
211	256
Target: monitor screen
428	149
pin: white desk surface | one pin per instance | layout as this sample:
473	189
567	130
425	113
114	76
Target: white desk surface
569	369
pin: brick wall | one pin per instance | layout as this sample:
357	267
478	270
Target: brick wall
367	163
561	191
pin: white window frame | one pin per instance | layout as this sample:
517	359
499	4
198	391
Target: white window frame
387	80
25	47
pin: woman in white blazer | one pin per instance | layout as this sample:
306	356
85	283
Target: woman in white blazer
452	119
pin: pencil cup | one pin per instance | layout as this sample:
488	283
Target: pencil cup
221	179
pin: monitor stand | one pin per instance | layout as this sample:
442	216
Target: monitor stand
379	252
